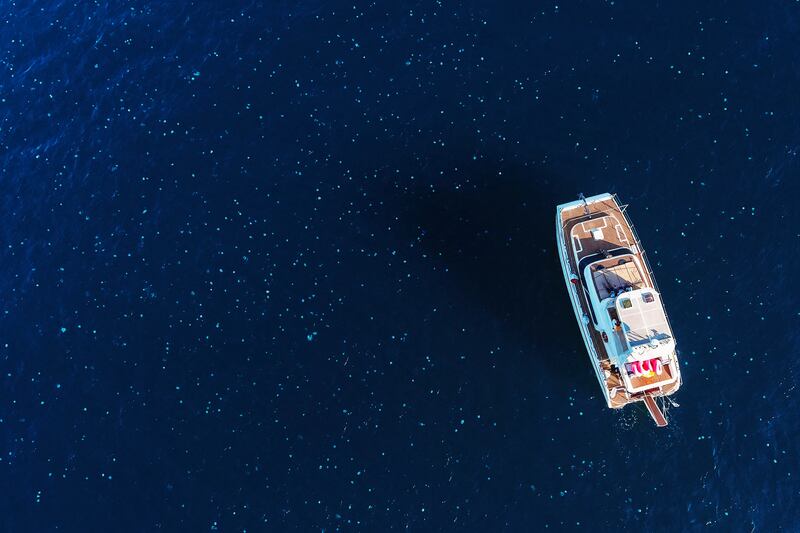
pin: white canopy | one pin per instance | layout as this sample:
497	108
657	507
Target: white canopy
644	324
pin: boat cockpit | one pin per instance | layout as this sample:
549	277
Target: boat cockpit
630	319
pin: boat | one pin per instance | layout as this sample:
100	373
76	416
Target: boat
617	304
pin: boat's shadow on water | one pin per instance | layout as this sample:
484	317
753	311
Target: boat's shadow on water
497	237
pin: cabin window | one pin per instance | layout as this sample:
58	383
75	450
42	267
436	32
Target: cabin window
625	303
648	297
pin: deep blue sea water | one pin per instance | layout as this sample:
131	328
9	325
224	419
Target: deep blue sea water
278	266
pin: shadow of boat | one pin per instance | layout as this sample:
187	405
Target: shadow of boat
497	238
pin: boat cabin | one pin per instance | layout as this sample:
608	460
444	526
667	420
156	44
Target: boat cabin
630	317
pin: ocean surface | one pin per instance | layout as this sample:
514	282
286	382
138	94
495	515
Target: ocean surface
290	265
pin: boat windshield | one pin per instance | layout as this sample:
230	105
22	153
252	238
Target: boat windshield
615	275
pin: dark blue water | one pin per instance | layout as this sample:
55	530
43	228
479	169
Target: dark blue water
273	266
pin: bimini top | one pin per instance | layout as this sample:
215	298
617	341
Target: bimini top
643	319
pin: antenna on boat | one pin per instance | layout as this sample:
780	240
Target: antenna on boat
585	204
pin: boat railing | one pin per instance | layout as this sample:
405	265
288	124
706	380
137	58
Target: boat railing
575	299
645	260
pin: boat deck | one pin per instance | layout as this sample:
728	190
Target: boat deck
601	227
